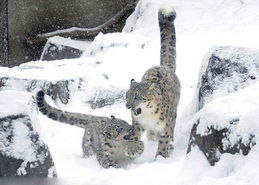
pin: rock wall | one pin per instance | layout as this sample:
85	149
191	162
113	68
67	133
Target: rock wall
3	33
28	18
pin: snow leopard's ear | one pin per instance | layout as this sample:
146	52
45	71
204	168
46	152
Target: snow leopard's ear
132	82
112	117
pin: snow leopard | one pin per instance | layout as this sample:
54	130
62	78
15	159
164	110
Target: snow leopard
154	100
107	138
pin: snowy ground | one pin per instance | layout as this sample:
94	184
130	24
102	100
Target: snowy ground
200	25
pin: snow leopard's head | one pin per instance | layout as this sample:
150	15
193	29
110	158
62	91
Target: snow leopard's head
119	147
141	94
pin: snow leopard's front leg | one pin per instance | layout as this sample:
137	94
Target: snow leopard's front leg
137	129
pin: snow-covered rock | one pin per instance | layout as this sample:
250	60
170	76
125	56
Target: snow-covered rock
58	90
58	48
61	79
226	103
22	151
214	142
103	71
228	124
106	97
225	70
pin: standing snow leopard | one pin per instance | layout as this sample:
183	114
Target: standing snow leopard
107	138
154	100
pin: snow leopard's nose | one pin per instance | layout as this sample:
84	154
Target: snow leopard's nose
137	111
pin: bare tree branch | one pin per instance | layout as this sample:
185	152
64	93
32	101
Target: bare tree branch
85	33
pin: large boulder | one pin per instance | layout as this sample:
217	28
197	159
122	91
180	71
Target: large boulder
22	151
225	70
225	103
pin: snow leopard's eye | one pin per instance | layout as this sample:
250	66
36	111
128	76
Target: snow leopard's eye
144	98
127	137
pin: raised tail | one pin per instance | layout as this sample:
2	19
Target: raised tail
77	119
166	17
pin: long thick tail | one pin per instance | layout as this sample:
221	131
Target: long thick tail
166	17
77	119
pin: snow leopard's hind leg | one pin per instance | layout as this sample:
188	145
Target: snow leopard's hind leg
164	143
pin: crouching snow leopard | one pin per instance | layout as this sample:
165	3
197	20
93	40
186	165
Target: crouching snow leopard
107	138
154	100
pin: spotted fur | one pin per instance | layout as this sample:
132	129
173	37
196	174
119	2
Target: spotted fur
154	100
107	138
